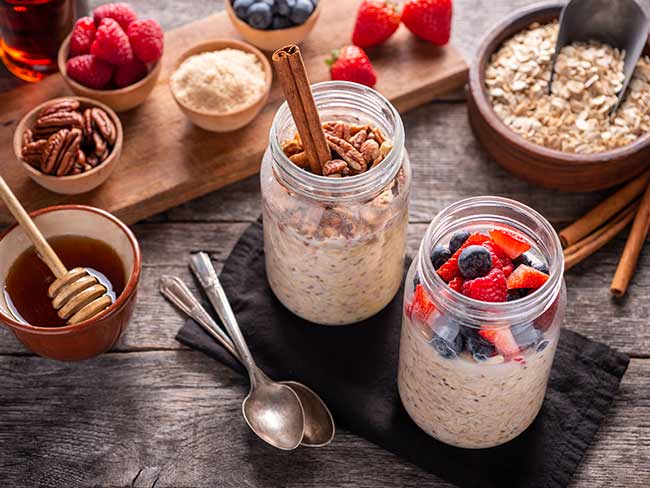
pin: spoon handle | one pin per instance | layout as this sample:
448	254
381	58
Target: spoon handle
180	295
201	265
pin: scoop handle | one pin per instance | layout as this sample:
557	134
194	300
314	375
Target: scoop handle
24	220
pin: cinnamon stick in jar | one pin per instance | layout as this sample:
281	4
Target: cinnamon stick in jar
290	69
633	246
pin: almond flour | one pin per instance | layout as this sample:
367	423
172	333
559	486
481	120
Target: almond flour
219	81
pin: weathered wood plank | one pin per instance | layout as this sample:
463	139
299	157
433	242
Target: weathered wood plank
174	417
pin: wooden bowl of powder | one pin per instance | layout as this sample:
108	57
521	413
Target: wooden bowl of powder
221	85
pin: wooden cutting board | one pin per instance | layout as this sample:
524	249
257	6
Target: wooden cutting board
167	161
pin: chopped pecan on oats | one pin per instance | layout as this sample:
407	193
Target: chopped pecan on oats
336	168
369	150
300	159
348	153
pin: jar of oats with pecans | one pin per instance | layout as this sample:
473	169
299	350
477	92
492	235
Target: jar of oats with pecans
335	243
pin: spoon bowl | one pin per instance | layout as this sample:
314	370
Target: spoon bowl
319	424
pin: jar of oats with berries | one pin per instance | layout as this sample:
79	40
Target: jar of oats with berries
335	242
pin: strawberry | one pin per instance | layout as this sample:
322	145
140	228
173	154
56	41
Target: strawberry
489	288
351	63
449	270
513	245
526	277
147	40
377	20
502	339
82	37
130	72
422	306
90	71
429	19
111	43
120	12
456	284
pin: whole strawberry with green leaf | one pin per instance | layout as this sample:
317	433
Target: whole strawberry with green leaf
351	63
429	19
377	20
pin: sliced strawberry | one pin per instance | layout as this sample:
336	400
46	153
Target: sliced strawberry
456	284
449	270
526	277
489	288
422	306
502	339
513	245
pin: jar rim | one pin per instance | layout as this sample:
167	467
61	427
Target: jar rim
476	313
368	102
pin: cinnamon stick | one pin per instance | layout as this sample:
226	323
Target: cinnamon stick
575	254
290	69
633	246
604	211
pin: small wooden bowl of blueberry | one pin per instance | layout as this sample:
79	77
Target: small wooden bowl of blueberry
272	24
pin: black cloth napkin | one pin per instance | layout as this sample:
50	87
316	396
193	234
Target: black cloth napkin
354	369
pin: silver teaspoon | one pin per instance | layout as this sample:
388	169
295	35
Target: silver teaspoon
319	424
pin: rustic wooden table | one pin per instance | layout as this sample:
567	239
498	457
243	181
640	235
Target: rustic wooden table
152	412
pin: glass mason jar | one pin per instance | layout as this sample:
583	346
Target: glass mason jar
455	385
335	247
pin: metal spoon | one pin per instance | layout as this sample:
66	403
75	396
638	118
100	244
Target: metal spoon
619	23
319	424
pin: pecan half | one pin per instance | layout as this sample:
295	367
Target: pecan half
337	128
49	124
335	168
60	153
64	105
32	153
358	139
347	152
104	125
101	149
69	154
369	150
92	161
52	150
28	137
88	123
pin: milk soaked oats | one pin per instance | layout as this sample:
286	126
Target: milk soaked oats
482	310
335	243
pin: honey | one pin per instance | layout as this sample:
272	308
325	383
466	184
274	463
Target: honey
29	278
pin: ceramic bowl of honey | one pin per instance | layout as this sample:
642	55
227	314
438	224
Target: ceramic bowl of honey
82	237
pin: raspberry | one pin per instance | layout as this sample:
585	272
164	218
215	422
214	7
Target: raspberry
82	37
121	12
111	43
90	71
489	288
147	40
128	73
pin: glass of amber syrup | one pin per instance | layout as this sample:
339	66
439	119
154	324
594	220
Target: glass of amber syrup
31	32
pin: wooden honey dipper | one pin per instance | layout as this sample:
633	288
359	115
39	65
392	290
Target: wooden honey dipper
75	294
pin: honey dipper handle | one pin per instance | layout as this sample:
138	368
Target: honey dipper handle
24	220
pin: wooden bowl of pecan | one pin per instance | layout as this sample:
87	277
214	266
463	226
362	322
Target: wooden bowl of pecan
565	140
69	145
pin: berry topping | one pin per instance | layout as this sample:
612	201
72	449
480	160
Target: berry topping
122	13
377	20
457	284
111	43
478	347
90	71
526	277
542	345
507	266
439	256
474	262
526	335
457	240
352	64
513	245
147	40
447	339
422	306
130	72
502	339
449	270
301	12
429	19
82	37
541	267
489	288
523	259
516	294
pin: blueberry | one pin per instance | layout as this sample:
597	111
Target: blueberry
259	15
301	11
541	267
517	293
479	348
439	256
283	7
523	259
280	22
474	262
526	335
447	339
542	345
457	240
241	8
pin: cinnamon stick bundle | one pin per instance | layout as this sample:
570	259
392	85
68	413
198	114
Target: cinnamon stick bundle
291	71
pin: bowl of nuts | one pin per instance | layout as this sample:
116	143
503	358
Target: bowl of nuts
69	145
565	138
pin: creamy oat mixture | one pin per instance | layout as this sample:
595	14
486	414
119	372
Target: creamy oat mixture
576	117
467	403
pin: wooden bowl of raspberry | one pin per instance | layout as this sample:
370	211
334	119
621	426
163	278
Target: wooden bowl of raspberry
113	57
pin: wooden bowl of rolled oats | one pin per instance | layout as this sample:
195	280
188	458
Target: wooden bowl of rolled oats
566	140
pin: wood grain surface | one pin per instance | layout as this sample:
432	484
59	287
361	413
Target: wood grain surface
153	413
167	161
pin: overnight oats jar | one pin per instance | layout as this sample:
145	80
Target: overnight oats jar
335	245
483	304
